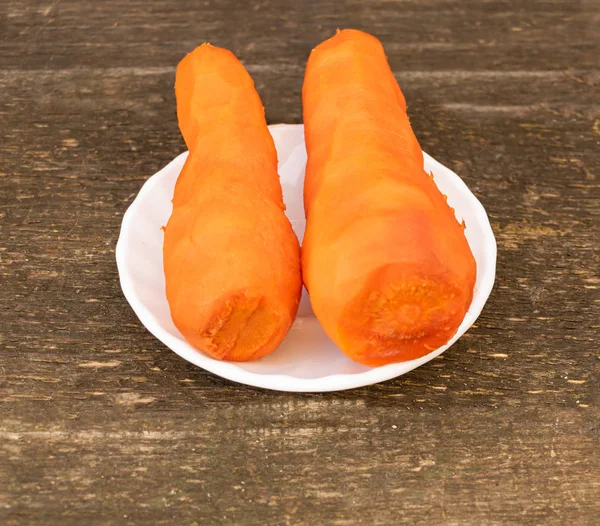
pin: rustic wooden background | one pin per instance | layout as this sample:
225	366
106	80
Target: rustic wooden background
101	424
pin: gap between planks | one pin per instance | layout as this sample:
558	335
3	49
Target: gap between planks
415	74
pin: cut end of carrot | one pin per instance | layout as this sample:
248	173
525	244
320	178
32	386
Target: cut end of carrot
401	317
240	327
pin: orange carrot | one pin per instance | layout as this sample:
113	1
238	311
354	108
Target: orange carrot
386	264
231	258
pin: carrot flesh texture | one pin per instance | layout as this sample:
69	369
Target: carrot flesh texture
388	268
231	258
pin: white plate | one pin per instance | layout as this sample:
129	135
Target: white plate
307	360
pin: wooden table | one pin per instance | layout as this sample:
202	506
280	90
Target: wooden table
101	424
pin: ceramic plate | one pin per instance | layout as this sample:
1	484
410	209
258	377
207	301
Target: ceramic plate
307	360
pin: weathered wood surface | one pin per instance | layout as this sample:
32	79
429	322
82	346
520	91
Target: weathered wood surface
101	424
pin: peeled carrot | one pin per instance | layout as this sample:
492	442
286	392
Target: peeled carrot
231	258
388	268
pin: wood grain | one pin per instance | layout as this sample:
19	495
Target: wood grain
101	424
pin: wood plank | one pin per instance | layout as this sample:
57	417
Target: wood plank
421	35
231	465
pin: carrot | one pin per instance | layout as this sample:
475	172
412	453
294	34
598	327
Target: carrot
231	258
387	266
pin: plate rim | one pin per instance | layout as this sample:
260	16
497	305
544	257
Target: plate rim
283	382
